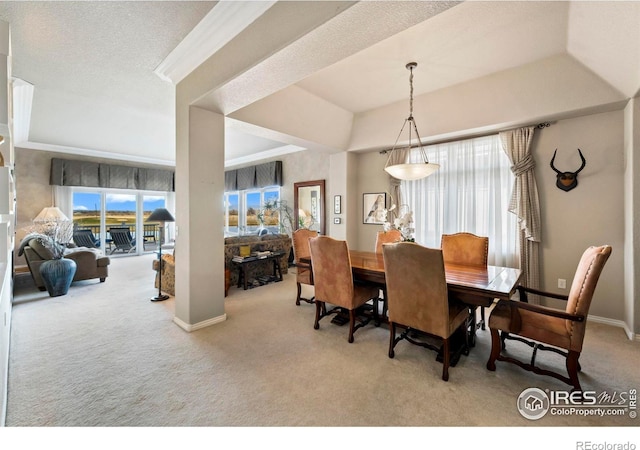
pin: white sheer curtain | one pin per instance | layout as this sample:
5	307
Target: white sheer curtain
470	192
63	199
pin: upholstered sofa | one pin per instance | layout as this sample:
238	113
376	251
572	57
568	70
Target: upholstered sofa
91	263
168	274
271	242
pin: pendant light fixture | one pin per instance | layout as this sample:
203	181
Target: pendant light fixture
415	170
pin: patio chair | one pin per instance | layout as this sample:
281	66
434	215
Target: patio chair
122	240
85	238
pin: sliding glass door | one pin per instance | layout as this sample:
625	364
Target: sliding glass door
99	210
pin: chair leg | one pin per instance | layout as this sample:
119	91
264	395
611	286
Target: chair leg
352	324
376	311
384	302
446	356
572	369
392	339
482	317
299	292
496	345
319	309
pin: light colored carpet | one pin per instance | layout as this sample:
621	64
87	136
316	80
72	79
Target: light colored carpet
104	355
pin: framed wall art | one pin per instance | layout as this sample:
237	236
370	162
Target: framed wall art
337	204
374	206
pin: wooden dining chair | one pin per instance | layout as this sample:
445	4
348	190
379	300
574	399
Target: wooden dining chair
467	249
384	237
418	299
535	325
333	282
387	237
304	273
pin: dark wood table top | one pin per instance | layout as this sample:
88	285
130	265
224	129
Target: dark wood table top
489	282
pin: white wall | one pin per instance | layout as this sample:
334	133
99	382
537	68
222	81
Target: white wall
631	220
591	214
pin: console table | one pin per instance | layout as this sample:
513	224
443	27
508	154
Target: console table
244	265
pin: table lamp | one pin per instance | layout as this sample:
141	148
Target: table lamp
160	215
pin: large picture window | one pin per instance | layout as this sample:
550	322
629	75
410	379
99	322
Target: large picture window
470	192
242	211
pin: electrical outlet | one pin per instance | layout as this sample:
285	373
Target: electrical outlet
562	283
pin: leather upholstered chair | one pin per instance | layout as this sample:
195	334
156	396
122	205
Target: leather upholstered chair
304	273
418	298
562	330
333	281
385	237
467	249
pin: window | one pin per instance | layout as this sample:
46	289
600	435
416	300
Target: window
100	209
470	192
242	211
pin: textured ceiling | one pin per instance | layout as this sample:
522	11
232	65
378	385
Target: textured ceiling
103	50
497	36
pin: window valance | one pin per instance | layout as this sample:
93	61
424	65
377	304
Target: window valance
262	175
66	172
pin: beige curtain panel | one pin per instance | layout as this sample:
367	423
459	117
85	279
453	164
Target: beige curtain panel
525	203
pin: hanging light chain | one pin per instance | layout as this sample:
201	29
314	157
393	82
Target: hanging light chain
411	93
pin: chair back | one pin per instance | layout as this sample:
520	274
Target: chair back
301	243
84	238
465	249
417	287
332	276
387	237
121	237
584	285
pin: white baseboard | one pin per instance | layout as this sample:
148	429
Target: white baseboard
189	327
616	323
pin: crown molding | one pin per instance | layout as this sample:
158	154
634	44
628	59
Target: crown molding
272	153
225	21
93	153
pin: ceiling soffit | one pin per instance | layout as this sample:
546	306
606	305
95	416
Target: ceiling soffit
326	43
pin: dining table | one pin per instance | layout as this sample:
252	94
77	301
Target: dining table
474	286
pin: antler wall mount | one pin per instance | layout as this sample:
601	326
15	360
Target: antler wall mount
567	180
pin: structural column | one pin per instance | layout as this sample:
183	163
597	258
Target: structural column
199	250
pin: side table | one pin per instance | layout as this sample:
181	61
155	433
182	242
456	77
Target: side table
244	265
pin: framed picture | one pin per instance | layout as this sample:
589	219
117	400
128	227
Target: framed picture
337	204
374	206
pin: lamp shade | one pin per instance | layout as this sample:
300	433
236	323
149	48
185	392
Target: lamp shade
412	171
160	215
51	214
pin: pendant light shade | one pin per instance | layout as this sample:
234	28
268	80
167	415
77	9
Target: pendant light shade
414	170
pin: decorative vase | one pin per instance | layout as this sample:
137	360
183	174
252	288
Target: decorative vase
57	275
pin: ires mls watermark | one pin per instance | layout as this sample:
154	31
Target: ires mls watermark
534	403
